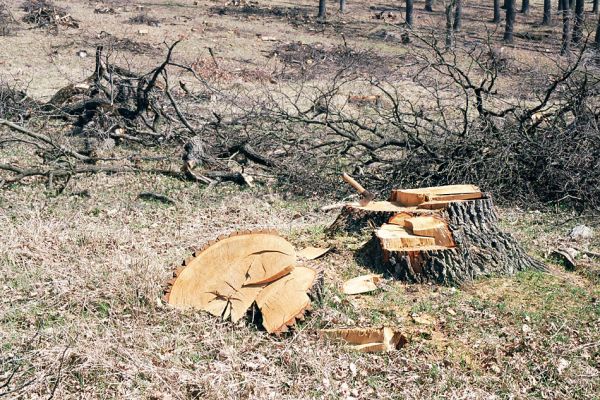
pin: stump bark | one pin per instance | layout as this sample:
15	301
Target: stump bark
451	244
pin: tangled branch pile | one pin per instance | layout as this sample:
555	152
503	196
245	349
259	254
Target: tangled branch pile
44	14
442	119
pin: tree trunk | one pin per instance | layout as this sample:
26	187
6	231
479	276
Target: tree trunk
342	6
429	5
510	21
322	9
560	5
525	7
449	30
448	246
496	12
597	40
566	17
409	12
457	16
547	12
595	6
579	21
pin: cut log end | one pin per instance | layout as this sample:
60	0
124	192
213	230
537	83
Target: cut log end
227	276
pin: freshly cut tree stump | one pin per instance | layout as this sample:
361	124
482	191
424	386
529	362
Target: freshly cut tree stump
228	276
458	240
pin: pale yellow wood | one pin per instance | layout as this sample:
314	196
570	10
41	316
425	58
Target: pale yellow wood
433	227
452	197
312	253
435	205
282	301
400	218
368	339
383	206
414	197
395	237
213	279
361	284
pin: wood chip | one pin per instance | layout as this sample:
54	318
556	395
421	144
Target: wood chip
368	340
361	284
312	253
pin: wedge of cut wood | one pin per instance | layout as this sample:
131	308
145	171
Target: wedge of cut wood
361	284
312	253
218	278
368	339
395	236
414	197
434	227
286	299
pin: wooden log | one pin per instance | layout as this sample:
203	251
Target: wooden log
414	197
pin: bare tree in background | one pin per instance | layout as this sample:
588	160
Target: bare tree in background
409	12
342	6
449	25
457	16
547	12
496	18
597	39
510	21
566	17
525	7
322	9
595	6
579	21
429	5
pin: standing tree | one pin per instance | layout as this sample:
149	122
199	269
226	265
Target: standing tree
579	21
322	9
429	5
597	40
510	20
595	6
342	6
496	12
525	7
449	31
409	13
457	16
547	12
560	4
566	17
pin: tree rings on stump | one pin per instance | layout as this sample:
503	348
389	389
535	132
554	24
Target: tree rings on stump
228	276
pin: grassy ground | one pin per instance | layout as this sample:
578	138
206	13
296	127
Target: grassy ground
81	314
82	273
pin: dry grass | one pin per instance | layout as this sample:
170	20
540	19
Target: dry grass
82	277
81	313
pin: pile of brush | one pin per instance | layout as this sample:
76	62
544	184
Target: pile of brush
44	14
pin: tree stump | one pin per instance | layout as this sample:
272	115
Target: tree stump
446	238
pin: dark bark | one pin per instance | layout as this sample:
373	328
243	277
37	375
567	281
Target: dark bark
595	6
322	9
457	16
547	12
482	249
429	5
560	5
566	17
449	31
409	12
510	21
496	18
342	6
579	21
525	7
597	40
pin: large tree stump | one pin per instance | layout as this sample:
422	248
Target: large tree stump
456	239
